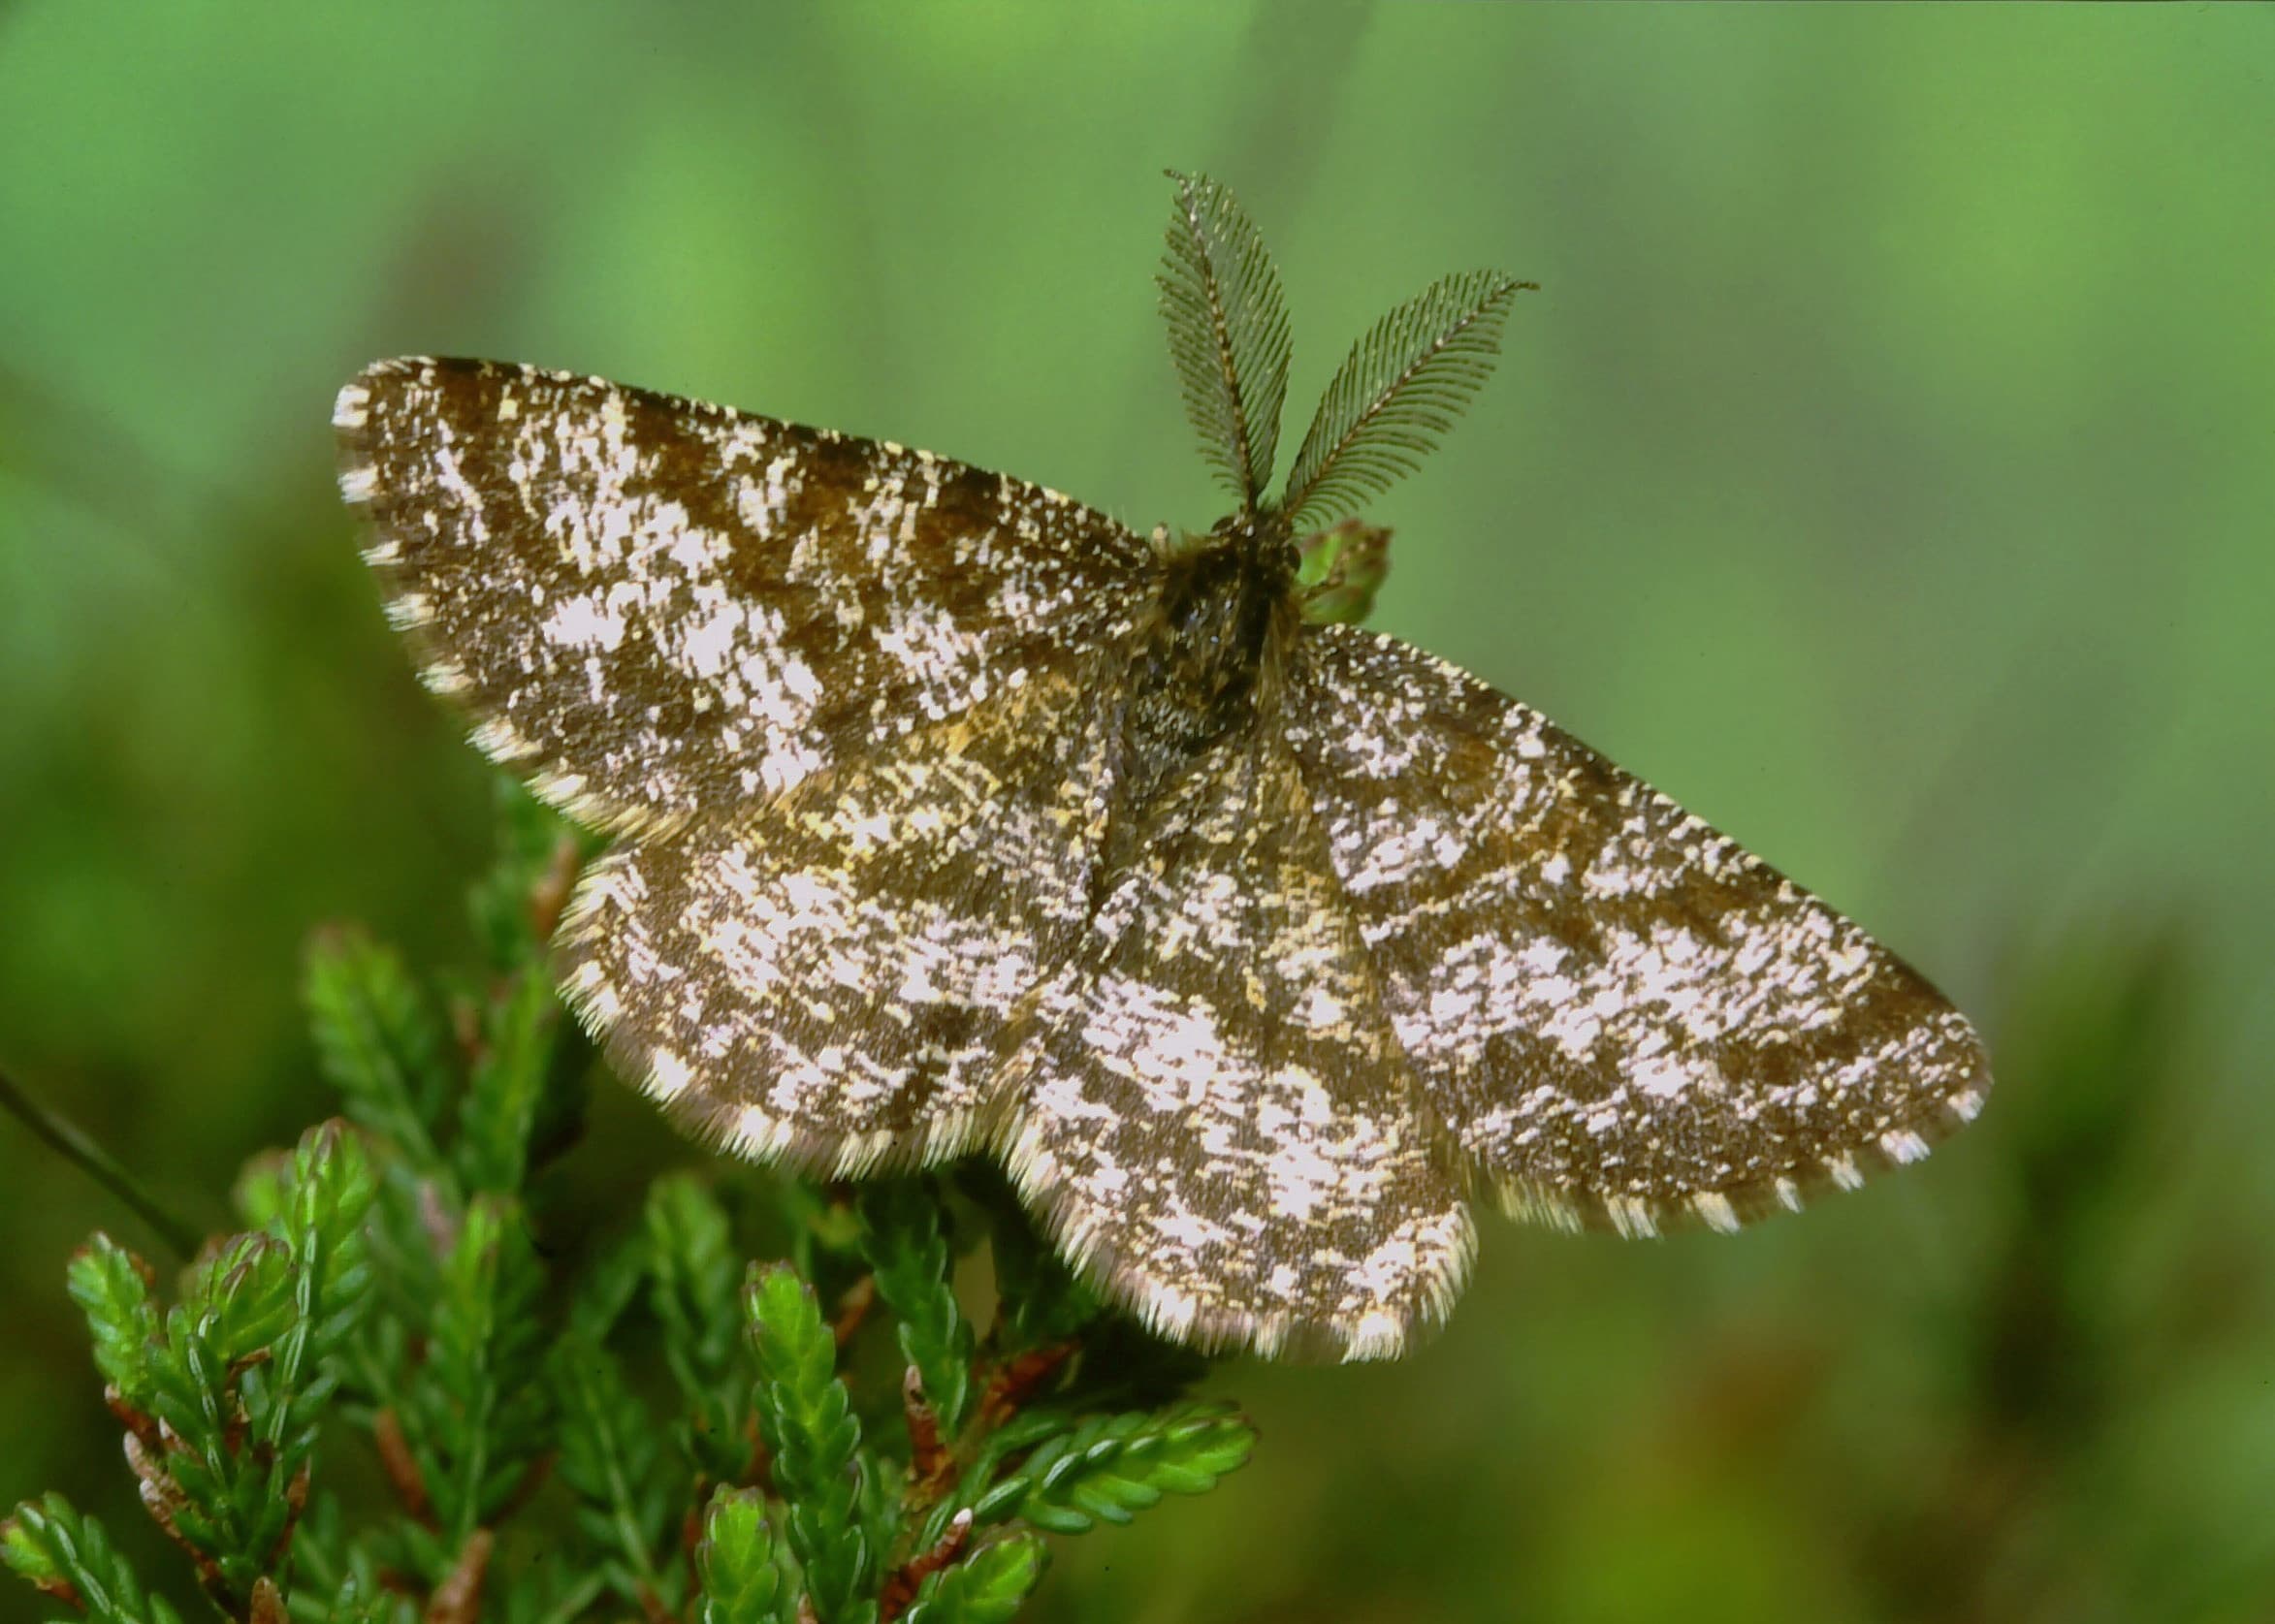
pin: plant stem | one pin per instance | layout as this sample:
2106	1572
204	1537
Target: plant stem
72	1142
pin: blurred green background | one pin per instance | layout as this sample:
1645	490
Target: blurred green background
1887	471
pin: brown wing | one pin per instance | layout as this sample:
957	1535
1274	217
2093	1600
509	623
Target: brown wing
832	977
1211	1110
1625	1017
654	607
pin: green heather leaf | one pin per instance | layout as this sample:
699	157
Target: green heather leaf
262	1184
1113	1467
985	1587
508	1082
476	1415
358	1600
550	1595
224	1381
982	1487
610	1283
735	1560
50	1544
825	1230
241	1301
695	1273
611	1459
378	1041
1228	332
329	1191
240	1377
110	1288
908	1252
1397	392
806	1417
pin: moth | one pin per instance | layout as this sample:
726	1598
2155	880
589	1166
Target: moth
953	816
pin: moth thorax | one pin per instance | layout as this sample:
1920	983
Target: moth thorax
1225	605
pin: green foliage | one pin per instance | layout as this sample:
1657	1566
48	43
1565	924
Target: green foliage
1112	1467
678	1431
1042	1301
735	1560
475	1412
985	1587
694	1290
805	1416
378	1041
507	1083
70	1557
908	1252
612	1460
113	1289
222	1396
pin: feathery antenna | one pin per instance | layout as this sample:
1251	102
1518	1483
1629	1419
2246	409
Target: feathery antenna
1399	391
1220	294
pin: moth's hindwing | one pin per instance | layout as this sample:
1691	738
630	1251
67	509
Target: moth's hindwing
1214	1113
834	978
1627	1019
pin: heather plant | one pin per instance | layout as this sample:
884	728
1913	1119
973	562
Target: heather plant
753	1399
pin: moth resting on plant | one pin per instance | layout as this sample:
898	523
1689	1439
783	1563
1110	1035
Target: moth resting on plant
954	815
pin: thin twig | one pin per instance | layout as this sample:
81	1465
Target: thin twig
550	894
900	1588
1020	1378
691	1535
268	1603
852	1308
163	1499
72	1142
141	1426
932	1464
402	1466
457	1599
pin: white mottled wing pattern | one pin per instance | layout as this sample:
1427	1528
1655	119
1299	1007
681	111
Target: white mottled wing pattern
1626	1018
654	607
1213	1114
833	692
831	979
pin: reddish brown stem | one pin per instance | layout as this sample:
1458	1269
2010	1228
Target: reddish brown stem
402	1466
457	1599
932	1465
551	894
268	1603
1019	1379
852	1308
163	1499
900	1588
144	1428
